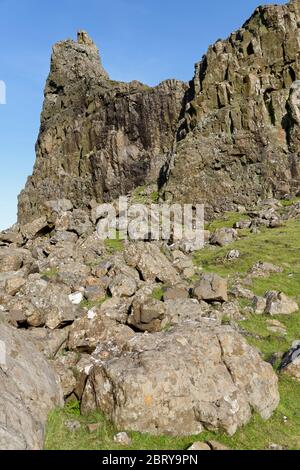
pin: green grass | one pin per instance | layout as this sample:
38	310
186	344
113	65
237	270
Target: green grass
158	293
279	246
50	273
227	220
116	244
88	304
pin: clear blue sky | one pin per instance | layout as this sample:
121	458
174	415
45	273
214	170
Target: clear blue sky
146	40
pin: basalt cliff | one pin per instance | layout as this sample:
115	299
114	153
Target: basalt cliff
228	137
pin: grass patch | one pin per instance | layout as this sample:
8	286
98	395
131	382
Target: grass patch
227	220
116	244
89	304
158	293
50	273
279	246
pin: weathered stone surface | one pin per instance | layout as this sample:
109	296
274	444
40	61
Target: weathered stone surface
116	308
29	390
123	286
278	303
88	332
179	310
194	377
98	138
223	236
240	136
12	259
35	227
211	287
147	314
152	264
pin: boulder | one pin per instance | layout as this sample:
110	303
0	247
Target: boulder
44	303
123	286
211	288
278	303
116	308
191	378
180	310
152	264
223	236
175	293
33	229
29	390
147	315
88	332
12	259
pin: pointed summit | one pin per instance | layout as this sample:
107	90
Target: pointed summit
83	38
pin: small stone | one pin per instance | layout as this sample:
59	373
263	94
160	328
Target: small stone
232	255
72	425
215	445
76	298
211	288
223	236
275	447
123	439
199	446
94	427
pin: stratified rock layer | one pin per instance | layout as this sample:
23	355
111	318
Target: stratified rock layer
239	139
98	138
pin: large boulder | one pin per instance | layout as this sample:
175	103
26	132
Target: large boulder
29	391
182	381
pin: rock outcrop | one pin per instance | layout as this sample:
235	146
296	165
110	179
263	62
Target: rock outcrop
98	138
29	390
239	139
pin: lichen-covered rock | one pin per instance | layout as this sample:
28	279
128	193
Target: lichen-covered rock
210	288
29	390
193	377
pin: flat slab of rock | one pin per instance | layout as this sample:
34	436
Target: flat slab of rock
29	390
182	381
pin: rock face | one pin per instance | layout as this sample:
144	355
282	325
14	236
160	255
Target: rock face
196	376
29	391
239	138
98	138
229	137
